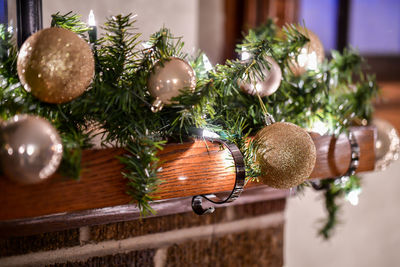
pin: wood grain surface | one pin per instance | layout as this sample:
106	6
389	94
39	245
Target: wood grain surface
188	169
69	220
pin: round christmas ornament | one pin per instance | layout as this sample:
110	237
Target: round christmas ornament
268	86
31	149
55	65
387	144
167	79
286	154
310	56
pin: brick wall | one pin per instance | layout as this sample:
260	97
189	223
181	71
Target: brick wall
241	235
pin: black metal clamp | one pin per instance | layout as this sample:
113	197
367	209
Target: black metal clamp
239	181
354	163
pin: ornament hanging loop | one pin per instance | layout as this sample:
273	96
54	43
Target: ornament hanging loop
237	189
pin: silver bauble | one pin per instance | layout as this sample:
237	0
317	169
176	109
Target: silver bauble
167	79
387	144
31	149
268	86
311	54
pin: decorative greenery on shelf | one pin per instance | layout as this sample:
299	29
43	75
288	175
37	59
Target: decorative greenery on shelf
117	105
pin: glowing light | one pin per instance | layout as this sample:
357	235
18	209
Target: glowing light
91	20
302	57
245	55
320	127
207	64
182	178
312	63
209	134
175	81
352	196
307	60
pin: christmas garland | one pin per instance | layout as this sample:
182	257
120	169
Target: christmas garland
118	105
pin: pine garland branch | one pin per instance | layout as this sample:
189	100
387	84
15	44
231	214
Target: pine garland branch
333	189
70	21
141	170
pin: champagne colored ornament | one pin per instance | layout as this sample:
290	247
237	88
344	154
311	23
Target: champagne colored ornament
167	79
286	154
31	149
387	144
55	65
268	86
310	56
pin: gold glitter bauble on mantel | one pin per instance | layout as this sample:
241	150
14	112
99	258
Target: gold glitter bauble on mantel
267	86
55	65
31	149
286	154
167	79
311	54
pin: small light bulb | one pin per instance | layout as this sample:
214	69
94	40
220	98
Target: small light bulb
352	196
209	134
319	127
207	64
245	55
91	20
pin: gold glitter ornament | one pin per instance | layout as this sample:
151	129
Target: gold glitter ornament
268	86
311	54
286	154
387	144
167	79
55	65
31	149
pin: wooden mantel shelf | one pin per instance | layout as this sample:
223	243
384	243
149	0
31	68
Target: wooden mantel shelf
188	169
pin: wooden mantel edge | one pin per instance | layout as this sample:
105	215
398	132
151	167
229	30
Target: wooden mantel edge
192	168
63	221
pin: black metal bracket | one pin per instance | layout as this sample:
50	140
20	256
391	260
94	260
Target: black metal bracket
354	162
239	181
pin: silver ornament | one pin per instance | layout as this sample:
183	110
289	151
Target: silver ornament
168	79
31	149
268	85
387	144
311	54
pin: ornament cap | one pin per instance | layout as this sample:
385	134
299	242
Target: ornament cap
157	105
268	119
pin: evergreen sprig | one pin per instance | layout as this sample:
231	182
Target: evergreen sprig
70	22
333	189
